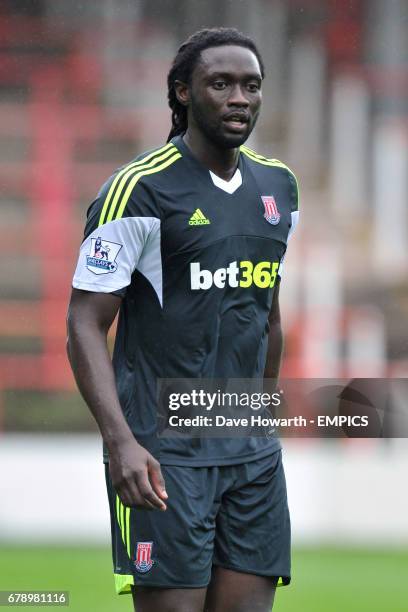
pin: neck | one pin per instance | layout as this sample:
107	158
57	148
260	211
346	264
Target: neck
223	162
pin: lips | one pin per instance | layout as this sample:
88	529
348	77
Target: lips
236	117
236	121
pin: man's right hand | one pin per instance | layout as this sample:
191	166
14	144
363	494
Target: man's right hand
137	477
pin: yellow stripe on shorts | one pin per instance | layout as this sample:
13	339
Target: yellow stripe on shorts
123	518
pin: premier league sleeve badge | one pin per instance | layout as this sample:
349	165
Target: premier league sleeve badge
102	256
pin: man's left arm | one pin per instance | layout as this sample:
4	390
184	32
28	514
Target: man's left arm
275	337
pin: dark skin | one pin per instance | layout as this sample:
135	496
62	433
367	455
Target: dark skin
135	474
275	337
225	83
223	102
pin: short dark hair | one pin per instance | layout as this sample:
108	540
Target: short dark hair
186	60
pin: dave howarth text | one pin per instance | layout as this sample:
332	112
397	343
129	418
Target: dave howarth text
222	421
208	401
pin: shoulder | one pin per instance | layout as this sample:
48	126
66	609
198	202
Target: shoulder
123	191
256	158
160	156
261	161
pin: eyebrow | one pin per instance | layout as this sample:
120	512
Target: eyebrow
256	76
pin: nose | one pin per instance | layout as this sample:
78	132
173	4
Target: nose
238	97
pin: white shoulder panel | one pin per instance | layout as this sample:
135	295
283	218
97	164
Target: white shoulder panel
111	253
295	219
150	262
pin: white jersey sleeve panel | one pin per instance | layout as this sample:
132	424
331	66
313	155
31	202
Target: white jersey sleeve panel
112	252
150	261
295	219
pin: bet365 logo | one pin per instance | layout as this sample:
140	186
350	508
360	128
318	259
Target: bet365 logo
237	274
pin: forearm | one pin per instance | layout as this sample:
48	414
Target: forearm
275	350
93	371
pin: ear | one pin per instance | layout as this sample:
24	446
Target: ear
182	92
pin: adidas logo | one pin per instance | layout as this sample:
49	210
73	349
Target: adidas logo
197	218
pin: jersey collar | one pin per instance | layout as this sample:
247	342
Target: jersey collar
228	186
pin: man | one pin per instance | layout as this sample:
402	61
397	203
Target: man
196	232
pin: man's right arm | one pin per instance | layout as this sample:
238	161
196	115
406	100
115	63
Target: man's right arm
135	473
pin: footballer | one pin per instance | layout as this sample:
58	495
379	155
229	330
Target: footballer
186	243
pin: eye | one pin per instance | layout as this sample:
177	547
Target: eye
253	87
219	85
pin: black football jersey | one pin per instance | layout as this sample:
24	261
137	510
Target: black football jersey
196	260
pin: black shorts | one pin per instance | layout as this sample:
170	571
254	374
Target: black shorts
232	516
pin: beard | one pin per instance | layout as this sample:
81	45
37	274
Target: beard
214	129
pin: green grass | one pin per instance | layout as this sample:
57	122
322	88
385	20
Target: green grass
324	580
346	581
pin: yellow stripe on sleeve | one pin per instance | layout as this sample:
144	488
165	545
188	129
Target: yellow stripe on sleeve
166	150
139	175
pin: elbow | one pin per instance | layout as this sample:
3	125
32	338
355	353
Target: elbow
275	325
69	327
275	334
73	326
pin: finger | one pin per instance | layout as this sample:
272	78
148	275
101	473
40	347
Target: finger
157	480
147	492
133	499
147	505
